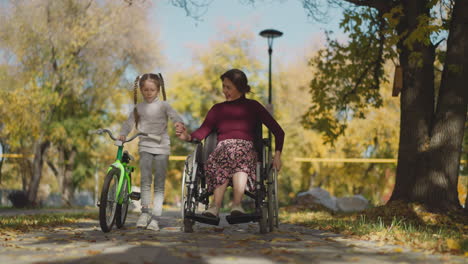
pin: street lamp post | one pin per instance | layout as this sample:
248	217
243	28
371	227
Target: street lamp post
270	34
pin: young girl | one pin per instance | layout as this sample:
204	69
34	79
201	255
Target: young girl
151	116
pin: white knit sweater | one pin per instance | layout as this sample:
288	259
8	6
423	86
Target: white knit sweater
153	120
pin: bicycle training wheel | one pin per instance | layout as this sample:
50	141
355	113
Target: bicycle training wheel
108	202
122	209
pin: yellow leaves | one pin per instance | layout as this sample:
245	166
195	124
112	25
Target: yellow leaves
93	252
283	239
452	244
398	250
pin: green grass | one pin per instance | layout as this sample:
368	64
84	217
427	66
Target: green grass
428	234
28	222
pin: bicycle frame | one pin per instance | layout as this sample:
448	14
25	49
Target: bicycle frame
125	171
123	167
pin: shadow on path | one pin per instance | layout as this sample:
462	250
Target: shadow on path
84	242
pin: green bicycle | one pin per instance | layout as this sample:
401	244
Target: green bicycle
117	188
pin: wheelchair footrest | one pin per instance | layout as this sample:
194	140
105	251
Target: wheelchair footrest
203	219
135	196
243	218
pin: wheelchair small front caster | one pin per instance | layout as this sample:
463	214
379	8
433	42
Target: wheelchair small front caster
188	225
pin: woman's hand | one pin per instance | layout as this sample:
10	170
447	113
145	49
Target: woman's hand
181	132
277	161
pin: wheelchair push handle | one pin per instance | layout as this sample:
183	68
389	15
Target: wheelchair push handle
195	141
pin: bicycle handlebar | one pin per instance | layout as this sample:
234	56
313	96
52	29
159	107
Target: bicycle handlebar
102	130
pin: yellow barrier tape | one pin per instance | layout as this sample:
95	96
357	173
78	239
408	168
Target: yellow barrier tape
332	160
351	160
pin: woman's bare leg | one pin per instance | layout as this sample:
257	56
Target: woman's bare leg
219	194
239	182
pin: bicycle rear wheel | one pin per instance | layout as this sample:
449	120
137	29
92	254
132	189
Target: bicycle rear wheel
122	209
108	201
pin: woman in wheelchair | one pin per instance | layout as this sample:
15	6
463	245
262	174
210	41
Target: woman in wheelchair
233	162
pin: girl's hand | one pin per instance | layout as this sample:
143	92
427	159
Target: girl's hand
179	125
277	161
122	138
181	132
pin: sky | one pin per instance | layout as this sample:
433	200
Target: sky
179	33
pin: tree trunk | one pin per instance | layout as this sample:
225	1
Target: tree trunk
38	162
65	178
430	141
417	102
1	165
439	187
466	204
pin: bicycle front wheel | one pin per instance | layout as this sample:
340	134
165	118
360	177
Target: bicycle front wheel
122	209
108	202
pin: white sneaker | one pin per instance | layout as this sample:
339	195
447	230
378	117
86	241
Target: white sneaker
143	220
153	224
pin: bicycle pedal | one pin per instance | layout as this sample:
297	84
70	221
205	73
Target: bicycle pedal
135	196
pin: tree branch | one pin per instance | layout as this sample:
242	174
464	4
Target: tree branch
52	167
382	5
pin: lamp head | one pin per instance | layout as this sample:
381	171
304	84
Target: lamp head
271	33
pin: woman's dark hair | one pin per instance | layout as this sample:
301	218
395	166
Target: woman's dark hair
238	78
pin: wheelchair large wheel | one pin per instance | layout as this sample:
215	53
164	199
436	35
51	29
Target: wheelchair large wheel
272	196
108	202
275	179
190	188
263	223
122	209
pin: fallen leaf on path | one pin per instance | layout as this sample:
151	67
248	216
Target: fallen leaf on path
282	239
191	255
218	229
151	243
283	258
93	252
452	244
266	251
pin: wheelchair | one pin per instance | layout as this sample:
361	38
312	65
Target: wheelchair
195	194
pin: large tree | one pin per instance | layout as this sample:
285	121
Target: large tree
63	63
433	104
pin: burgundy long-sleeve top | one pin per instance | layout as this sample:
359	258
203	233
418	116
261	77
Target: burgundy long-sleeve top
237	119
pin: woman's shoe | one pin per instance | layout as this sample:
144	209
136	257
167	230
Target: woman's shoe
211	212
237	211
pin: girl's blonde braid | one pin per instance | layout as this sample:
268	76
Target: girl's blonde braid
136	85
162	86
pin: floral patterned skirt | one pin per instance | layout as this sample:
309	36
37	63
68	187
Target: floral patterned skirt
231	156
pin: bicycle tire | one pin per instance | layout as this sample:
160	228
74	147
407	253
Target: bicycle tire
106	212
188	203
122	209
